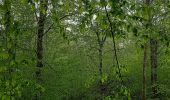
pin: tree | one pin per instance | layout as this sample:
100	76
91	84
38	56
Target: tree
84	49
40	32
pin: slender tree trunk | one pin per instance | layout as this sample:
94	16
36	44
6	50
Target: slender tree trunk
114	45
154	65
147	2
100	51
39	51
40	46
7	38
153	58
101	59
7	18
40	33
144	71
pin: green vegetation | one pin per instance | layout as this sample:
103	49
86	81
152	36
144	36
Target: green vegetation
84	50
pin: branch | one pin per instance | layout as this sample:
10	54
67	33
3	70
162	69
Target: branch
50	27
71	14
114	44
104	38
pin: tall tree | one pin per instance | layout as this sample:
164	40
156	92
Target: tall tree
40	33
43	5
154	65
153	57
101	40
144	70
145	54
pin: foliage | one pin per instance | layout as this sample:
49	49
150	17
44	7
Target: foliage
80	38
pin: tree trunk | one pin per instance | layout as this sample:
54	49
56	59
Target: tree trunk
100	51
114	45
144	72
40	33
39	51
153	58
7	18
154	65
100	59
40	46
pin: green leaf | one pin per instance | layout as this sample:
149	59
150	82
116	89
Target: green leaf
104	78
5	97
82	27
67	6
4	55
2	69
33	8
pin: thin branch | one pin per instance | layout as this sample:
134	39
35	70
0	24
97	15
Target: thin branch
71	14
50	27
114	44
104	38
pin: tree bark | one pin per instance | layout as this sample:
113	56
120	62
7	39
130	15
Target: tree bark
40	33
100	51
7	18
101	59
40	46
154	65
144	71
153	60
39	50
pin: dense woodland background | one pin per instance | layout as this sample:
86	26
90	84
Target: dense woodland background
84	50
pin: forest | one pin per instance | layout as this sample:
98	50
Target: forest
84	49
